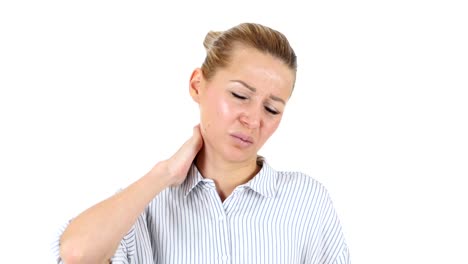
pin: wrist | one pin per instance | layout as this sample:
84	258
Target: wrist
160	175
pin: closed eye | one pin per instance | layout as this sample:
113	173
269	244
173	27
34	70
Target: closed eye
238	96
271	111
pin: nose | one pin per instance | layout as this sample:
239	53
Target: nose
251	118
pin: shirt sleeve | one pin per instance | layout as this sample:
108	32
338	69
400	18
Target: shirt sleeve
334	247
56	243
135	246
326	244
343	257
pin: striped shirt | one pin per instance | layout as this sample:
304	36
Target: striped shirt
276	217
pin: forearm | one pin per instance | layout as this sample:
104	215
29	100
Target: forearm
94	235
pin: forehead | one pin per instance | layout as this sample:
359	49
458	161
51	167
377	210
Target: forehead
261	70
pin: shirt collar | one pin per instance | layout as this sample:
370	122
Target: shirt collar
193	178
264	183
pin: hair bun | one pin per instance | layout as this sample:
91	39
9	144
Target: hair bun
210	38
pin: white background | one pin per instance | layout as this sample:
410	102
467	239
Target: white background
93	93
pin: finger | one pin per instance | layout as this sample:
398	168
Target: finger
196	128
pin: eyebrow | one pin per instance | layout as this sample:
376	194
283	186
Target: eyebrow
253	89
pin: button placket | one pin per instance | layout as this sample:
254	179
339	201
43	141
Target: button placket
223	229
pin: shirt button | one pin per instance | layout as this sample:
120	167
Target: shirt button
224	258
221	218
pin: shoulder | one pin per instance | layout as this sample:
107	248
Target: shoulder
291	180
303	188
300	181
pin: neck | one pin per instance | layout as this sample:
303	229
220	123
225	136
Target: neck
226	175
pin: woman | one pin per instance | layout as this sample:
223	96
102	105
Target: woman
215	200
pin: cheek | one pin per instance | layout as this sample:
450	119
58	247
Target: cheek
270	127
215	111
224	109
221	108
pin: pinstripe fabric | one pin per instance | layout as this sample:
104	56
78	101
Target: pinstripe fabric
277	217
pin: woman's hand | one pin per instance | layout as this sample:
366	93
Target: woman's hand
176	167
94	235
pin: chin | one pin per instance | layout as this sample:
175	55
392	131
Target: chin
238	155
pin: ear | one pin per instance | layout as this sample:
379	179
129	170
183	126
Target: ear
195	84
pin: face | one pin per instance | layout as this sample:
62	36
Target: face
242	105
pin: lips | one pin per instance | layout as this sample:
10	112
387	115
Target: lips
243	137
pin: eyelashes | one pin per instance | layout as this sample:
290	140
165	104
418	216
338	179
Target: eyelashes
271	111
242	98
238	96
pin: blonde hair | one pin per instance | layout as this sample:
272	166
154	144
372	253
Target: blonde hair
219	46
